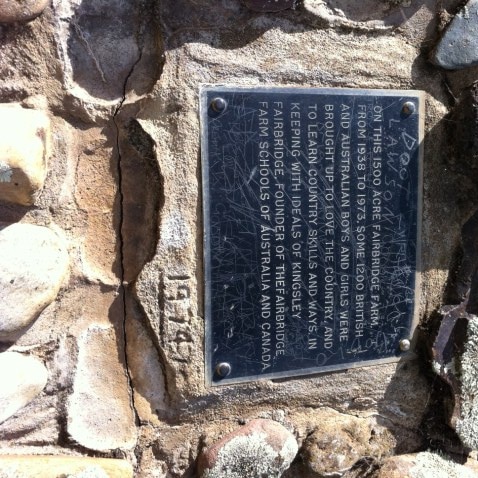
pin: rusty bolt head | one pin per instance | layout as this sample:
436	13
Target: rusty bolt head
218	104
223	369
408	108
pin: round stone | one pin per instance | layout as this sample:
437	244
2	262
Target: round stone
21	10
25	139
33	264
22	378
260	448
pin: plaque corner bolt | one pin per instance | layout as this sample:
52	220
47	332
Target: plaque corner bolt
218	104
405	345
408	108
223	369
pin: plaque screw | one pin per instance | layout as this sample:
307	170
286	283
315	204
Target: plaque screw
408	108
223	369
218	104
405	345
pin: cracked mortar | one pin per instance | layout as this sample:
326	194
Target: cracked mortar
123	284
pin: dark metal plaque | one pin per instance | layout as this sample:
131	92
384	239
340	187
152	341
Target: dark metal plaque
311	225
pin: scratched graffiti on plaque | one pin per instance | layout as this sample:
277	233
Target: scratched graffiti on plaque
311	217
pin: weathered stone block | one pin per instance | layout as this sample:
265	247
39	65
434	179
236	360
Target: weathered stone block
459	46
43	466
467	423
21	10
100	415
33	264
340	440
260	448
22	378
146	373
24	149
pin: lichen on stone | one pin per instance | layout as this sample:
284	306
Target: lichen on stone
251	456
467	426
434	465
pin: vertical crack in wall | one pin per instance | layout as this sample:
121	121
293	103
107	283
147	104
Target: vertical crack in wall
123	285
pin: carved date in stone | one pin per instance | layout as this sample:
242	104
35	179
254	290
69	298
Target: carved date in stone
269	5
170	307
177	334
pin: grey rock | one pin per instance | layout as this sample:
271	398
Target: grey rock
94	71
22	378
33	265
340	440
458	47
260	448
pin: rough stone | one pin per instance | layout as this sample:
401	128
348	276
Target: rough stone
464	124
472	462
260	448
24	150
22	378
467	424
373	15
458	47
33	265
151	466
36	424
21	10
43	466
146	373
100	415
269	5
397	467
423	465
94	72
340	440
174	448
99	247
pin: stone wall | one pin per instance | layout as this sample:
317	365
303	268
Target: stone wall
101	311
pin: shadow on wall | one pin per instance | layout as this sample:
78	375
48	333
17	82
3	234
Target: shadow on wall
450	196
